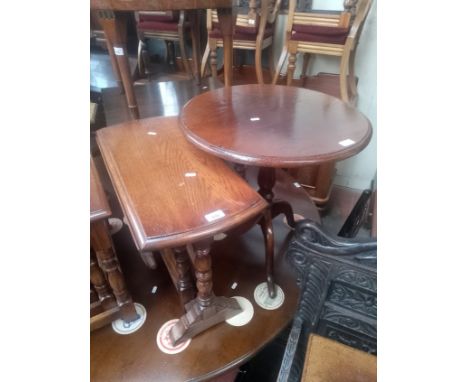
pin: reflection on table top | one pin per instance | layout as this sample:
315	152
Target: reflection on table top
272	125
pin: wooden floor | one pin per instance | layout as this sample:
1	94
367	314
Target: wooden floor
136	357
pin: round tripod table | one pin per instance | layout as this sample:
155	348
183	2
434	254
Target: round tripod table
274	126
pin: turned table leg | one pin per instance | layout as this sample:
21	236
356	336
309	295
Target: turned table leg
195	34
179	266
104	250
115	29
266	181
206	310
98	280
227	20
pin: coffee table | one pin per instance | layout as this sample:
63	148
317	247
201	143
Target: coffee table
274	126
114	24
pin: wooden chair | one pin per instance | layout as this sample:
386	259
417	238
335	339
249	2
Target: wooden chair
253	31
325	33
169	26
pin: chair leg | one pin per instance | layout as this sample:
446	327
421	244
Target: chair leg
305	66
291	67
204	62
258	64
170	53
344	78
141	66
183	53
284	55
271	60
196	55
213	63
352	75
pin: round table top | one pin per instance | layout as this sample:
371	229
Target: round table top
274	125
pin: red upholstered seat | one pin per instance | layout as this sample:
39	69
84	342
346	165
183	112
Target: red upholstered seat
167	17
157	26
242	33
319	33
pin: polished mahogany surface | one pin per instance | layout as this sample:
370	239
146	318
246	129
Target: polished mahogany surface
171	192
274	126
159	5
99	207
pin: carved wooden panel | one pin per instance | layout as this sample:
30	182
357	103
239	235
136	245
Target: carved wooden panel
339	293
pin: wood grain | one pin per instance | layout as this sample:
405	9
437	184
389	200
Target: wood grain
167	187
274	126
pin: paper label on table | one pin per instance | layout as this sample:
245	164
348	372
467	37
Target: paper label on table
263	299
122	327
346	142
251	22
244	317
219	236
164	342
215	215
118	51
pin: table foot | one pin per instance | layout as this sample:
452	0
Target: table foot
199	318
206	310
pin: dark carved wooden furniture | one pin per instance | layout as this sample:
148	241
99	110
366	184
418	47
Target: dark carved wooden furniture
172	195
331	361
110	298
254	30
169	26
338	284
273	126
110	14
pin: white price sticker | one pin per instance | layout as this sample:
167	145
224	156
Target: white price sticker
346	142
118	51
215	215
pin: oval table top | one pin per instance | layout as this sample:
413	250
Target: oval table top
274	125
